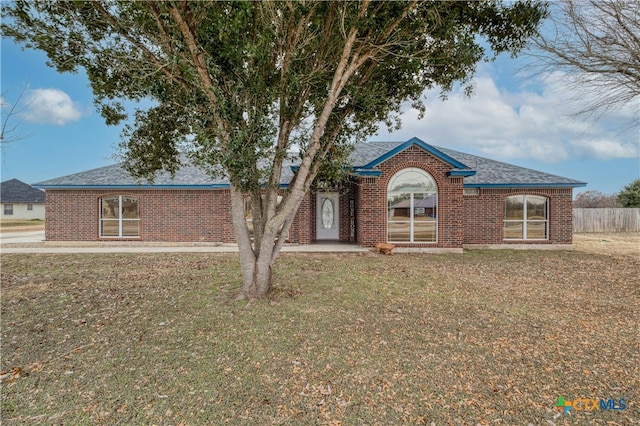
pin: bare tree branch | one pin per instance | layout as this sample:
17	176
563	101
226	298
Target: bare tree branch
596	44
10	128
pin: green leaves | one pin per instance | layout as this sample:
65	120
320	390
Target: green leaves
241	84
236	71
151	143
630	195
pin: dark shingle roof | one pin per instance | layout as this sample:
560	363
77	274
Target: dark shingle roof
16	191
494	173
488	172
116	176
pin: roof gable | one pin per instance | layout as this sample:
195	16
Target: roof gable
421	144
485	172
16	191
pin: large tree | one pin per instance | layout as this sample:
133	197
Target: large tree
239	84
596	45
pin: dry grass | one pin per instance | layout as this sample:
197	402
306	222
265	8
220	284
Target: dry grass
488	337
614	244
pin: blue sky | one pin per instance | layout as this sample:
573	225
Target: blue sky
512	117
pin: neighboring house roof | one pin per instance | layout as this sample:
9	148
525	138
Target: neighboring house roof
477	171
15	191
429	203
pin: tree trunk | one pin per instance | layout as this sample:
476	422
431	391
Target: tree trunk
256	259
261	278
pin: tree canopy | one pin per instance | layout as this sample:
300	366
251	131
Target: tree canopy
239	84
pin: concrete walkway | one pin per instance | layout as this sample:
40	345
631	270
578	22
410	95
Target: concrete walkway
33	242
21	237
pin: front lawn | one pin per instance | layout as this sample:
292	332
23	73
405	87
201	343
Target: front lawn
487	337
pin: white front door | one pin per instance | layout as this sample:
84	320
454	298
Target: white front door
327	208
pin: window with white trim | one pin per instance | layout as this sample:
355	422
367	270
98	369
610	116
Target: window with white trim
526	217
119	217
412	207
8	209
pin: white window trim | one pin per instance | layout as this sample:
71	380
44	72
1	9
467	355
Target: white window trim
411	222
120	219
524	221
412	211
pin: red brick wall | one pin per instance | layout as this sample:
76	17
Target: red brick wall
165	216
372	200
484	215
204	215
471	219
301	229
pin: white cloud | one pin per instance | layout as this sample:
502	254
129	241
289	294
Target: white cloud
50	106
606	149
520	124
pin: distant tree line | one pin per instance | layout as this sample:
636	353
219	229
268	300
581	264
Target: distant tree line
595	199
629	197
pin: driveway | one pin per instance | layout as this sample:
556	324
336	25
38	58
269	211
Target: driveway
22	237
33	242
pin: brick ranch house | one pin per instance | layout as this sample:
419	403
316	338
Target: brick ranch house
411	194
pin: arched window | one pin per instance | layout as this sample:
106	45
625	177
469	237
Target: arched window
412	207
119	217
526	217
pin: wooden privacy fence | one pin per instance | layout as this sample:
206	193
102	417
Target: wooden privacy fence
606	220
